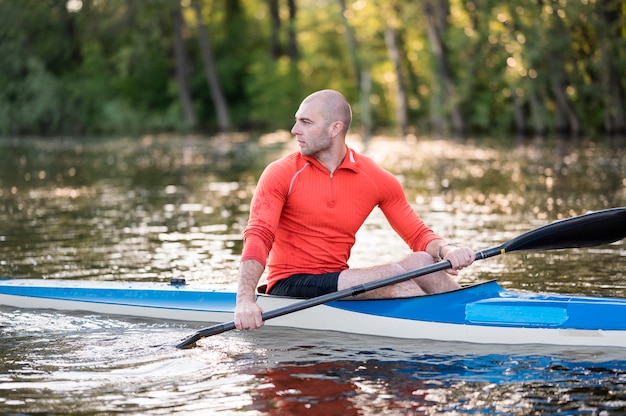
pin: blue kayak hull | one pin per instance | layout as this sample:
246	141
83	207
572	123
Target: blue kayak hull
483	313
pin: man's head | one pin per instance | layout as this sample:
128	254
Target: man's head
333	106
322	122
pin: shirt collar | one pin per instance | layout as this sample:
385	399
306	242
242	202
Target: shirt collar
349	162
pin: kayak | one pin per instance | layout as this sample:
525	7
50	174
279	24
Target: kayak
482	313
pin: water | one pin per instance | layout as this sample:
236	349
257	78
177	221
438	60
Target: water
162	207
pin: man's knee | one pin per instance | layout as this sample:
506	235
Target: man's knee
416	260
395	269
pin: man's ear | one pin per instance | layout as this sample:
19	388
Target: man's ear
335	128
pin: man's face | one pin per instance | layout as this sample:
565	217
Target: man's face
311	129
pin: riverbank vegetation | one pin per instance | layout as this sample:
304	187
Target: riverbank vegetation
454	67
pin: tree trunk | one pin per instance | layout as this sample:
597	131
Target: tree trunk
223	117
275	48
400	93
363	80
292	43
366	111
182	70
435	12
352	45
566	119
519	101
615	118
615	115
538	120
521	124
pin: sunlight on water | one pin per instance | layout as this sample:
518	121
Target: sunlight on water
109	365
106	365
175	208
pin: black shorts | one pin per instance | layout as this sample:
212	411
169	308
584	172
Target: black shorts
306	285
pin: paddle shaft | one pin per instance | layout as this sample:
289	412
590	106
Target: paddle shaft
319	300
329	297
596	228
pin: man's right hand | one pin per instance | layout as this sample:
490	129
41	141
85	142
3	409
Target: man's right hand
248	315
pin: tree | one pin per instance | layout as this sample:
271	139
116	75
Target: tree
436	13
566	119
276	46
449	66
609	28
223	117
182	69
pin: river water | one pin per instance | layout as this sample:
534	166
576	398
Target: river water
156	208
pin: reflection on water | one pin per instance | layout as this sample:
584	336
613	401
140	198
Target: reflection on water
436	385
100	365
157	208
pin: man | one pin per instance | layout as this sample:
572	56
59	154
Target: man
307	209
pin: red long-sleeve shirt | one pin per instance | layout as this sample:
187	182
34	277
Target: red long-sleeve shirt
306	219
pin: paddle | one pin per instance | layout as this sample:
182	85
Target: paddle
588	230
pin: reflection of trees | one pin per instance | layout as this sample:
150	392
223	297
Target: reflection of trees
338	388
436	383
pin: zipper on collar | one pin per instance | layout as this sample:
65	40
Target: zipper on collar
331	200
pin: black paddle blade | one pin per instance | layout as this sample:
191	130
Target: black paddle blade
588	230
190	341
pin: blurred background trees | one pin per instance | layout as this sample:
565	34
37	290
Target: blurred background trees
454	67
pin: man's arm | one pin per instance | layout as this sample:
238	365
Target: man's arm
258	237
247	311
415	232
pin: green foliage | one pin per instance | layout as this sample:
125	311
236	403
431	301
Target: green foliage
109	67
273	88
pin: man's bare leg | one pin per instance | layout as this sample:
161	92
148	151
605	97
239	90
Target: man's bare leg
438	282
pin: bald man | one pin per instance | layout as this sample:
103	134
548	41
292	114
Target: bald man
308	207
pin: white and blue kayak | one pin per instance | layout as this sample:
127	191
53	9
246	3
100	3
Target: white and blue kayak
480	313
